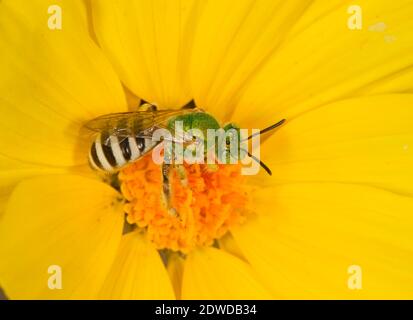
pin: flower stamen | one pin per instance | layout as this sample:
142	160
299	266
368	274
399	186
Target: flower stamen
208	204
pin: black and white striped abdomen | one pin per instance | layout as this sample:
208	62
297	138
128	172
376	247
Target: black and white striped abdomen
110	153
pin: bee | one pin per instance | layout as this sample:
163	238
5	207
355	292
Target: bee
123	138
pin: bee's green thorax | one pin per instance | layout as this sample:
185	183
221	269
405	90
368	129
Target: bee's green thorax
197	120
227	148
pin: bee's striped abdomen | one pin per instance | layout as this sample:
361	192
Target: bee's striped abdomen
109	153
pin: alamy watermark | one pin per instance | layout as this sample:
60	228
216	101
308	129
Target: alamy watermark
211	146
54	282
54	21
354	281
355	21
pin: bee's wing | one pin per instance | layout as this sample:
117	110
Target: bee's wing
135	123
141	120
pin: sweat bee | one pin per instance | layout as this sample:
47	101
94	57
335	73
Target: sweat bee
123	138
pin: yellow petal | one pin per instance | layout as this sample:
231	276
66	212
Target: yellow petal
213	274
365	141
137	272
62	220
228	244
12	172
4	197
51	82
175	269
322	60
233	40
315	240
148	42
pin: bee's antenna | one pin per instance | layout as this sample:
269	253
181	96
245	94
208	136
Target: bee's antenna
262	164
276	125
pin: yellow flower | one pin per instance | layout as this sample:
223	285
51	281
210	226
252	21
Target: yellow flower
334	220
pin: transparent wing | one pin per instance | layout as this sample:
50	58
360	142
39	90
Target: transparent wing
136	123
137	120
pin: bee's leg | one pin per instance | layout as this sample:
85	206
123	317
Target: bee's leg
180	169
166	188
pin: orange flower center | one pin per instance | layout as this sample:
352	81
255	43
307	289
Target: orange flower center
208	203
